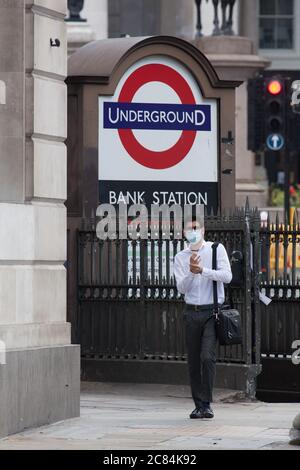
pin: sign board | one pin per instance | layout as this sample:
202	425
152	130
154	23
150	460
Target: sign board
158	138
275	142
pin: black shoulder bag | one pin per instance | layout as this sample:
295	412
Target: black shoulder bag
228	320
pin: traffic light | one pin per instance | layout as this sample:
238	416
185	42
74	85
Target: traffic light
275	107
267	113
273	113
274	87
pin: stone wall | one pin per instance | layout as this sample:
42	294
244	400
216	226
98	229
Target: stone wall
33	129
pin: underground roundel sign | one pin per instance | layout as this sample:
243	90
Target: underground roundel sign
157	127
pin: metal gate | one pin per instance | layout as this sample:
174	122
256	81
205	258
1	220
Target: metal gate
129	317
127	313
280	321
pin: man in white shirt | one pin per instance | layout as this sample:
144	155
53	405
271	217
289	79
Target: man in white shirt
194	275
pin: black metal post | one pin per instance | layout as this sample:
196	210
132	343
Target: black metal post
287	184
199	23
229	30
216	31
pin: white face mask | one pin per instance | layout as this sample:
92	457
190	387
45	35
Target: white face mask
194	236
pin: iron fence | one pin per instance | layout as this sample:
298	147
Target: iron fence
280	281
129	307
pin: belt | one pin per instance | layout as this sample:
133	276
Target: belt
200	308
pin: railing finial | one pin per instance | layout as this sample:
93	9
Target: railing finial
247	206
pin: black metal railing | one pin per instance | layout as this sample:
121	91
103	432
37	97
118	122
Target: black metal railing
280	255
129	306
140	272
280	281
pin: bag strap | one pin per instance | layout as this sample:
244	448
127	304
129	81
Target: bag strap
216	307
215	290
230	298
214	266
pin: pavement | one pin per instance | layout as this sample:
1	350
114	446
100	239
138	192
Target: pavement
155	417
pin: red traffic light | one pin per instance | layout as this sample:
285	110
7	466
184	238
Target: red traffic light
275	87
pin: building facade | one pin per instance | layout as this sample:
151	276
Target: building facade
275	30
272	26
40	374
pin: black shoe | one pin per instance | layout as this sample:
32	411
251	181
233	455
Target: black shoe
207	412
197	413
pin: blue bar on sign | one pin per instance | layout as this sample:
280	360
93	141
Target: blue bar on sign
157	116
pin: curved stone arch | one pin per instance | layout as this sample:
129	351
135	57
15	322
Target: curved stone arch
2	98
104	62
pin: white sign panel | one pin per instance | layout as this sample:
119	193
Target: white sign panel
158	129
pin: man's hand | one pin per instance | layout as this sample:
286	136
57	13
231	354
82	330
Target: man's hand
195	266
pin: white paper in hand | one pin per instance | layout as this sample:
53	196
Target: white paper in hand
264	299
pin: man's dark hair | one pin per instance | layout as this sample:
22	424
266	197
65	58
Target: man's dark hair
189	220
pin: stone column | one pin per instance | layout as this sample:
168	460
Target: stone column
248	21
96	13
39	383
177	18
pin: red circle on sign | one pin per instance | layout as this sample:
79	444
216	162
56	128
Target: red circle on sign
174	155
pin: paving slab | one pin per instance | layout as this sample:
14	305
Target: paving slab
156	417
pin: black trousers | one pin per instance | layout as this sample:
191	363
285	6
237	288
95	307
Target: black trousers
201	342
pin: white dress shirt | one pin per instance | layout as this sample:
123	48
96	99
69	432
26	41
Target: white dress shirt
198	288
